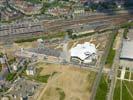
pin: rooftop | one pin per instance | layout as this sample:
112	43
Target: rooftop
130	34
30	68
127	50
83	51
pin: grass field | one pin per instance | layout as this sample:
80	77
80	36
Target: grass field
110	57
34	1
119	73
127	75
132	76
123	91
117	91
111	54
44	37
67	82
102	89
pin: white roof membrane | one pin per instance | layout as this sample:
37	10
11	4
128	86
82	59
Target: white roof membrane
82	51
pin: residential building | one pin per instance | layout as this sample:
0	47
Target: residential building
31	70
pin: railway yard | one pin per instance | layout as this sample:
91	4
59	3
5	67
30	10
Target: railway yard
24	30
80	55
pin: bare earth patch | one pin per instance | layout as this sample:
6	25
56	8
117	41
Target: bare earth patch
69	83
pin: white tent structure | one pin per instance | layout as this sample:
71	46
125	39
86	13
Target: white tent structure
85	52
40	40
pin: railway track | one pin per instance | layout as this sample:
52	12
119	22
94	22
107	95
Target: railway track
117	19
56	22
62	25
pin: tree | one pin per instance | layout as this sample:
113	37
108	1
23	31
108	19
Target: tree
10	76
1	54
70	31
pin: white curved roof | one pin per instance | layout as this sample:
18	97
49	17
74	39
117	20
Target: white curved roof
83	51
40	40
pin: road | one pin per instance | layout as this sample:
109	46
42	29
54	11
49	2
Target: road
101	66
114	69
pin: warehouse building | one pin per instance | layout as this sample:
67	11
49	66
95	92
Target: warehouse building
126	56
127	50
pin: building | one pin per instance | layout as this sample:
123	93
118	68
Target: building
84	53
78	11
5	65
126	56
21	29
5	98
57	11
1	80
14	67
2	60
25	7
24	97
40	40
31	70
127	50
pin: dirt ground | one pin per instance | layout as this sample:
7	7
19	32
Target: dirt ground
69	83
99	41
10	50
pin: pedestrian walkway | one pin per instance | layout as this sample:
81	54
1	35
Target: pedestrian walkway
122	73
